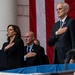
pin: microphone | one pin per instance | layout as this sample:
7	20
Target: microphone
66	62
65	65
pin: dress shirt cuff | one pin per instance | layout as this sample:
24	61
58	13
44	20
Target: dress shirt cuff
56	34
25	58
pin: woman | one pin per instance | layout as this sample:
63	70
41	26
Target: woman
14	48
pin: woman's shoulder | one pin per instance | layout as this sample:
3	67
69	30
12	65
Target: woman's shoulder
18	40
5	43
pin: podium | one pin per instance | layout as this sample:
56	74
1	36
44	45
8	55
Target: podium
67	73
3	64
53	69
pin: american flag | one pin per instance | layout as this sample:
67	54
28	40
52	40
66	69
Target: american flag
42	16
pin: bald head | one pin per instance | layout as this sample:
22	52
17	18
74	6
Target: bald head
29	38
30	33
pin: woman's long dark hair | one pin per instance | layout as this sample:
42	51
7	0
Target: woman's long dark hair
17	30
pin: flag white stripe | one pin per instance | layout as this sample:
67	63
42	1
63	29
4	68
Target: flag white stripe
41	22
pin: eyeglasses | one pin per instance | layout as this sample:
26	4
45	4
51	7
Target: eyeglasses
59	9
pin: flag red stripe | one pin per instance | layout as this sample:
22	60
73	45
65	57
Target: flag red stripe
32	14
72	8
49	22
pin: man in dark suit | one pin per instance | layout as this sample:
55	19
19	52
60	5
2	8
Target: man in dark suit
35	54
63	35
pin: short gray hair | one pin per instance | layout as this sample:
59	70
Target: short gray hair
65	6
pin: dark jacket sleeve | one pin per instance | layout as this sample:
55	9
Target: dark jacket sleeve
53	38
42	56
20	53
4	45
72	33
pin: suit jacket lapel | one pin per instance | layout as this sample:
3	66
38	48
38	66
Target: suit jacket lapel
56	26
25	50
67	22
33	48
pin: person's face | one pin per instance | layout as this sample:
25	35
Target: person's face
62	12
10	32
29	38
72	61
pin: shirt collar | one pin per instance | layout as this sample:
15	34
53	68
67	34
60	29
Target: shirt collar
30	46
63	19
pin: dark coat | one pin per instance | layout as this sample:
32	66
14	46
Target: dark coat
63	42
39	59
15	54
